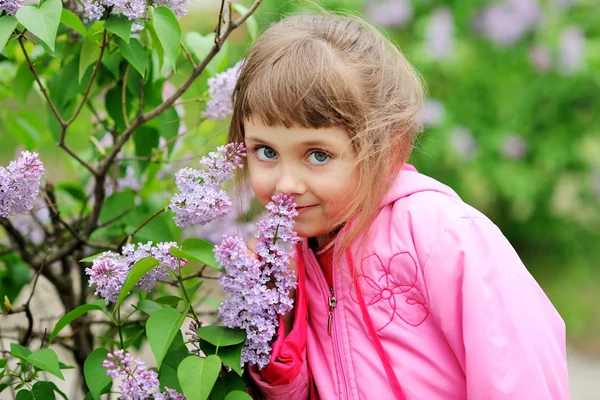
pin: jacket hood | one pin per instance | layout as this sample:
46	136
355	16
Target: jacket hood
410	181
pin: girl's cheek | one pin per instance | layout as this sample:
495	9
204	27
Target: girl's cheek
261	187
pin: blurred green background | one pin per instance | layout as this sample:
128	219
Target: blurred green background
512	123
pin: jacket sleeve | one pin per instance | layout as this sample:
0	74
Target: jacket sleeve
287	376
507	336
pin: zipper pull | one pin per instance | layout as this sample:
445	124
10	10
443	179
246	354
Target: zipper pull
332	304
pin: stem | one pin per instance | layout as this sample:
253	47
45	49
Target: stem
185	292
120	328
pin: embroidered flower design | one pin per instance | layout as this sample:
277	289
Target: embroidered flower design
388	295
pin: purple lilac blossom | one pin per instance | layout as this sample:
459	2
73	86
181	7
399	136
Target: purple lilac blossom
10	6
134	10
109	270
161	252
20	184
540	57
178	6
514	147
257	290
220	90
439	34
389	13
194	339
201	199
571	50
507	22
463	143
137	382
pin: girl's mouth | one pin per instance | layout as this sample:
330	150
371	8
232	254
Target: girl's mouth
302	210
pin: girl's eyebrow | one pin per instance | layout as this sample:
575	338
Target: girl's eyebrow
314	142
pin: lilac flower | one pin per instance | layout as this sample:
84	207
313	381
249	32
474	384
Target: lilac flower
439	34
432	113
506	23
194	338
389	13
92	10
540	57
138	382
463	143
161	253
109	270
20	184
10	6
178	6
169	394
134	10
571	50
514	147
220	89
201	199
258	290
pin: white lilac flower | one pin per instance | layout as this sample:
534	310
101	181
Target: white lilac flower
10	6
201	199
439	34
389	13
463	143
257	291
540	57
20	184
571	50
108	273
179	7
507	22
514	147
161	252
220	90
433	112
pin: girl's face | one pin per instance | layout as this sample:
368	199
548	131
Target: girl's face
313	165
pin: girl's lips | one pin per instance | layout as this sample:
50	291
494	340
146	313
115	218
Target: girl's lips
302	210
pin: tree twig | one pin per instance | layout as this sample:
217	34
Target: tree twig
136	230
188	55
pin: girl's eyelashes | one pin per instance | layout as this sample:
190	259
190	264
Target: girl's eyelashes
319	157
264	153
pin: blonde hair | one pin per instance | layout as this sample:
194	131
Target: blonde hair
319	71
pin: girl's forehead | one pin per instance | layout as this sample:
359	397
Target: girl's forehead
295	135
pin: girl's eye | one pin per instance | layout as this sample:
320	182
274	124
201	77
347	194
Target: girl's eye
265	153
318	157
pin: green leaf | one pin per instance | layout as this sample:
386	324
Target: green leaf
70	19
43	21
73	189
158	55
113	102
47	360
19	351
145	139
198	250
168	32
225	384
91	258
23	82
136	273
230	355
25	395
168	127
116	204
3	362
250	23
27	128
73	315
148	306
238	395
200	46
54	388
221	335
135	54
192	291
90	49
112	62
167	374
95	374
197	376
7	27
161	328
43	390
171	301
65	366
134	338
120	25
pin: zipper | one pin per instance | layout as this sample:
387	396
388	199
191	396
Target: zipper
331	323
332	304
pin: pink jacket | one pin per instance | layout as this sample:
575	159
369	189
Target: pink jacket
439	307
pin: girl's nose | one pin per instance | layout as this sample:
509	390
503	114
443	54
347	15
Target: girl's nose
290	182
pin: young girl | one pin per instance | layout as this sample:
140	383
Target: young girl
404	291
